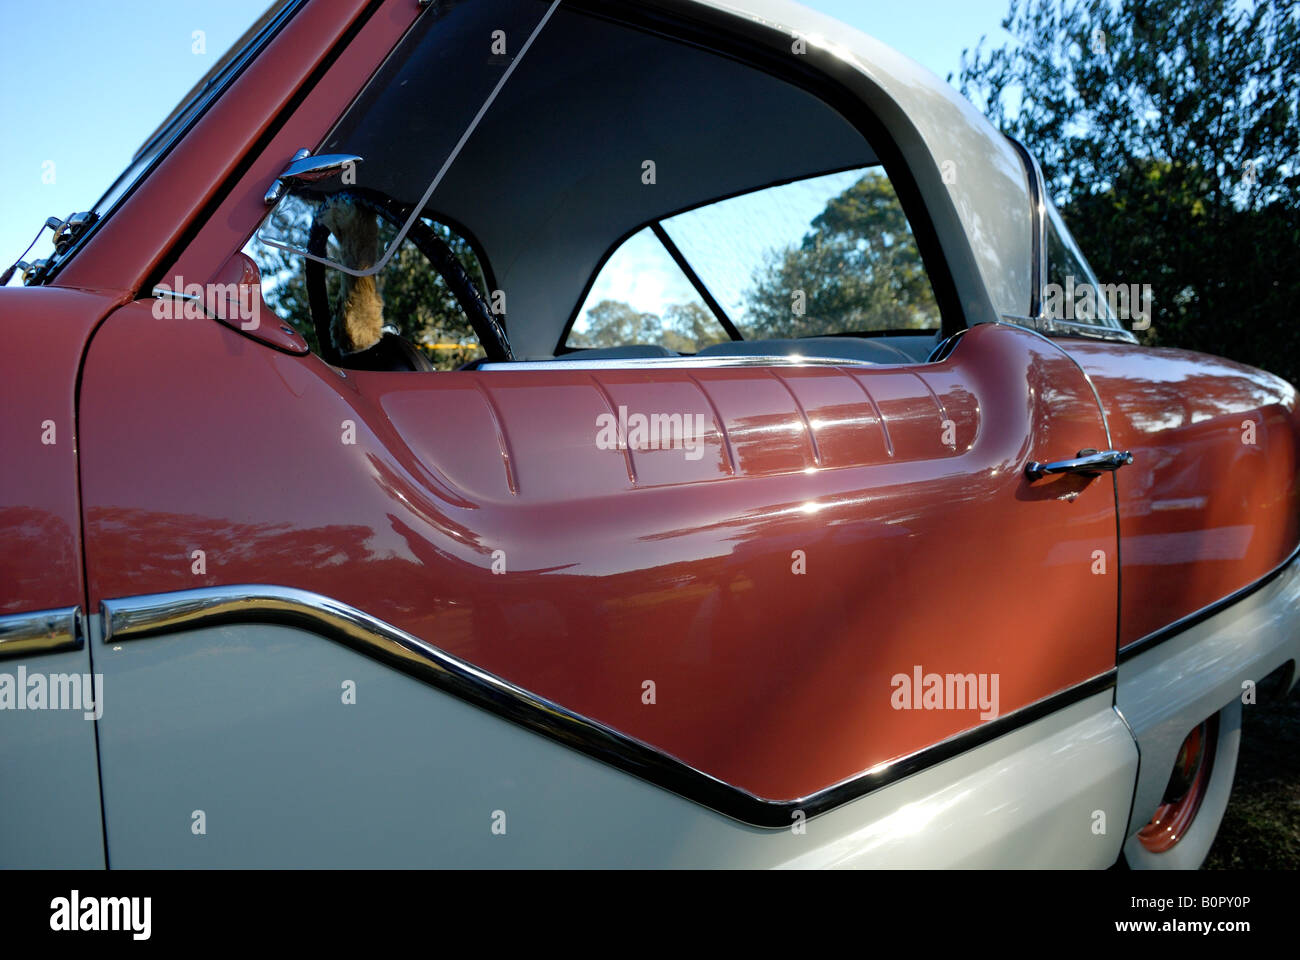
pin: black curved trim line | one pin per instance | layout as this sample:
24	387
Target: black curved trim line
151	615
1192	619
697	282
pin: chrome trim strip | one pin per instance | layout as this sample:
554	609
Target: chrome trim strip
1038	268
1192	619
45	631
130	618
1037	226
944	348
1066	328
692	363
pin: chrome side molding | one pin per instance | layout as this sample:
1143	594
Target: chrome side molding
44	631
131	618
305	169
687	363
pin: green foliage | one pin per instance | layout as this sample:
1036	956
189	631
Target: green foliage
1168	133
858	268
684	327
416	299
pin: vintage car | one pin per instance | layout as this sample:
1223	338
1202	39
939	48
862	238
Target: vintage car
619	433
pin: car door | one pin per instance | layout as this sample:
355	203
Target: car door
378	618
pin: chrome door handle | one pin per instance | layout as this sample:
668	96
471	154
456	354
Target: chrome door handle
305	169
1087	462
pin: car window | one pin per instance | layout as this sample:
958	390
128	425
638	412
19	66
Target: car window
824	255
1072	294
411	299
413	119
621	187
641	296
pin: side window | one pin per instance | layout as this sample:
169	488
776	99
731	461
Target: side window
619	188
406	298
1072	293
641	296
824	255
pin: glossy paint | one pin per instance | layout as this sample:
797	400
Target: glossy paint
49	775
1167	689
841	528
618	567
236	300
1211	503
249	718
45	332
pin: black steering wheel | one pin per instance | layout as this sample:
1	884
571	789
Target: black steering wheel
491	335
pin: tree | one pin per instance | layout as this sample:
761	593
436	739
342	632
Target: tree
1168	133
612	323
689	327
857	269
416	299
684	327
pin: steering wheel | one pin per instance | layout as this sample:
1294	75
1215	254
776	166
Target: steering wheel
491	335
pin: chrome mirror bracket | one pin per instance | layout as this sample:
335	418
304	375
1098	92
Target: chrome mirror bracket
306	169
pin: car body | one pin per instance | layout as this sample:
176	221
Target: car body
380	617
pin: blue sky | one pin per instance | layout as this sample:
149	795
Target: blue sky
86	82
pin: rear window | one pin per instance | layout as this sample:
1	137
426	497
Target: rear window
831	254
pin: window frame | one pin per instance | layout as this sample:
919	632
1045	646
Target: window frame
698	32
656	226
1108	327
236	210
184	117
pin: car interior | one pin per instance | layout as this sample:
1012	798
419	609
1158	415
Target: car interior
598	139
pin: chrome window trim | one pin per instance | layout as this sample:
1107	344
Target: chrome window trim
41	632
1038	269
693	363
1069	328
1037	226
131	618
184	118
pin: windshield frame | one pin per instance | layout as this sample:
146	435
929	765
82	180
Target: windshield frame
179	122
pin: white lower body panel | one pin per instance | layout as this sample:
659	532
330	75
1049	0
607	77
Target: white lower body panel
248	725
1165	691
